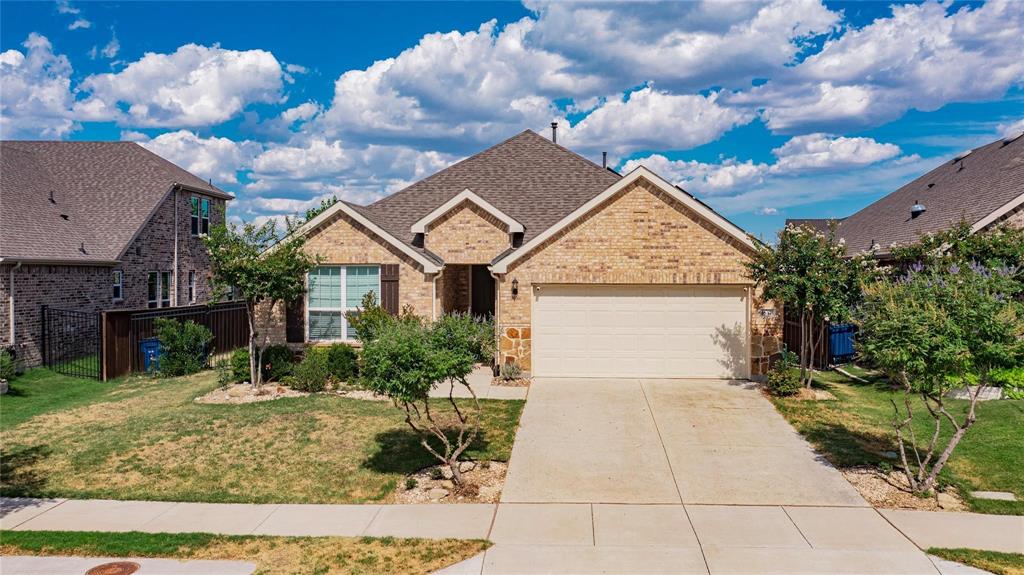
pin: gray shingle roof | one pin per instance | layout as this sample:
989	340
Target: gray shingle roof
967	189
103	192
528	177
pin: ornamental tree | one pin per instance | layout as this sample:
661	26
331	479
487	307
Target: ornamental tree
1001	246
808	271
264	269
928	330
406	359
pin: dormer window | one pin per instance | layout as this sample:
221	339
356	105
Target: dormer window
200	216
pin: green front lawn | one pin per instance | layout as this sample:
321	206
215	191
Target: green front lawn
992	561
296	555
857	428
143	438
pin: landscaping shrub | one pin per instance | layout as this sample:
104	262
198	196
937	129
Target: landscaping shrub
784	378
511	371
313	373
370	318
184	347
1011	380
278	363
342	362
471	335
6	365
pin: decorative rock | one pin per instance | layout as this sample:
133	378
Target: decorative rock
465	466
890	455
238	390
4	386
947	501
448	484
446	472
997	495
437	493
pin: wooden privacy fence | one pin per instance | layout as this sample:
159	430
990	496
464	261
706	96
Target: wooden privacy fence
835	342
124	330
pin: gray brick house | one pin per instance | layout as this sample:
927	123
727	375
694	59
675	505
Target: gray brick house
93	226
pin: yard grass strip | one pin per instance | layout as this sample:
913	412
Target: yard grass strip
992	561
291	555
856	429
146	439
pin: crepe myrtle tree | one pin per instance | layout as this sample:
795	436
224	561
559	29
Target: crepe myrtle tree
407	358
808	271
253	261
928	330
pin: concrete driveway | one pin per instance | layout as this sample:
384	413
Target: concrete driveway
664	441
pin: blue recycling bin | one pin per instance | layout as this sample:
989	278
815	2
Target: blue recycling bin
150	350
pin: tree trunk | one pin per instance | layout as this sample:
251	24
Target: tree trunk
812	347
254	359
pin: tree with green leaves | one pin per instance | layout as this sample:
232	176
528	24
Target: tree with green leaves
928	330
406	359
808	272
1001	246
263	268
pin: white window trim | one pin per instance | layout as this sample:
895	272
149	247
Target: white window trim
199	215
467	195
344	299
120	285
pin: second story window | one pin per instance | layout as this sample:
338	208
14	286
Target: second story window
118	285
200	216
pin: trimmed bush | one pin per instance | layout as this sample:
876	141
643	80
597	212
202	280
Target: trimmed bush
278	363
784	382
184	347
1011	380
7	370
511	371
240	365
313	373
342	362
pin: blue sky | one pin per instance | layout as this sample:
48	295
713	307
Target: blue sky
788	108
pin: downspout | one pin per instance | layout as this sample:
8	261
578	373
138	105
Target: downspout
10	303
433	296
175	198
497	320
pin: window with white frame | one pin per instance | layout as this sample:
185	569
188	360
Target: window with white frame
158	286
200	216
118	285
333	291
192	286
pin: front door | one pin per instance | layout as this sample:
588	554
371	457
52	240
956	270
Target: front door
481	292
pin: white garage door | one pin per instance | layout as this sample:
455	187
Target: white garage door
640	331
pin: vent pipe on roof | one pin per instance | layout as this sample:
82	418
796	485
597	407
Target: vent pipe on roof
52	199
917	209
554	132
604	159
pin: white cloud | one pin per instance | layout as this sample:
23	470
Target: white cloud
194	86
112	47
821	152
1011	128
36	97
79	23
213	158
648	119
922	58
767	211
65	7
679	45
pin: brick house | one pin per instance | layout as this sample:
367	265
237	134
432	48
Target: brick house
983	186
586	272
93	226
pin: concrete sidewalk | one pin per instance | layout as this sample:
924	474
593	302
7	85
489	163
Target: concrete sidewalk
575	537
79	565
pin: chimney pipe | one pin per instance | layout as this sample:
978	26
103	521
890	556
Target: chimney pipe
604	159
554	132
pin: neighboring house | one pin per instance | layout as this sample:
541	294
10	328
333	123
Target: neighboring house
984	187
587	273
93	226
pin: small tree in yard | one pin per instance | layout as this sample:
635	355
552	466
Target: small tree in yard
807	271
265	270
406	359
929	329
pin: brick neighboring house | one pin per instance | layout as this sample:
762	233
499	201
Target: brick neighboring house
587	272
984	187
93	226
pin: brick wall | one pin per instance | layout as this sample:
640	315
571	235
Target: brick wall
343	241
90	288
454	288
640	236
467	235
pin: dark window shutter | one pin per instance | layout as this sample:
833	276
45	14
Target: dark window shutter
389	288
295	320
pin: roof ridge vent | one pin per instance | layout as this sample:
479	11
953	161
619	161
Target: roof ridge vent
962	156
1011	138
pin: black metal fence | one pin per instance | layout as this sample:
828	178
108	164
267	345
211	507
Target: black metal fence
72	342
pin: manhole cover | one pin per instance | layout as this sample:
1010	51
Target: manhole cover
115	568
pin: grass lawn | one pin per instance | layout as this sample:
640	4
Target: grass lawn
857	428
293	555
143	438
998	563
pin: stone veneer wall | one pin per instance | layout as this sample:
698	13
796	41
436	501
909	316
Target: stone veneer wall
640	236
467	235
90	288
343	241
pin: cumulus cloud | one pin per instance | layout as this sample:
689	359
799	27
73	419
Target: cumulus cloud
79	23
922	57
36	98
1012	128
821	152
194	86
679	45
218	159
65	7
649	118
